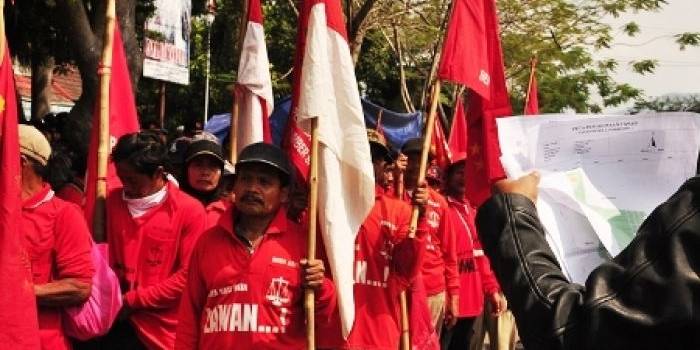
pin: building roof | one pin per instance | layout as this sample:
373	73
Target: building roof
66	86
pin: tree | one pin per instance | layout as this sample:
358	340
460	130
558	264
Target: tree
70	32
669	103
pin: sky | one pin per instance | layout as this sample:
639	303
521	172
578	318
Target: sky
677	71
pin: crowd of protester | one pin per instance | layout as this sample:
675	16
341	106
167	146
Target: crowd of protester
210	254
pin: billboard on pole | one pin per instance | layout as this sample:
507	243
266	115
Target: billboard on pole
167	42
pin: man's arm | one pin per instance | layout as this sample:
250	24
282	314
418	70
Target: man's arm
645	298
547	307
73	262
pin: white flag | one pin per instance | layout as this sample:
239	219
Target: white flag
256	101
328	91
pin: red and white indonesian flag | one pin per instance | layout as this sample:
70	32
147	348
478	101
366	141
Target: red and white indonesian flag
328	91
254	83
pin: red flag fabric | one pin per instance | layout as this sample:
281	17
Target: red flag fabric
18	320
254	82
122	120
297	142
439	145
483	166
532	103
464	58
458	133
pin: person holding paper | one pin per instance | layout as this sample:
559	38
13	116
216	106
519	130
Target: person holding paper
644	298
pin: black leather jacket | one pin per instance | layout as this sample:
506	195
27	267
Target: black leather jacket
648	297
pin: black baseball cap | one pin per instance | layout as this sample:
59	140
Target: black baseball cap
204	147
378	142
265	153
414	145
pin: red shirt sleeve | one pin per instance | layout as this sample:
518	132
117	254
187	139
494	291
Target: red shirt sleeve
488	278
448	245
325	302
191	304
167	293
73	245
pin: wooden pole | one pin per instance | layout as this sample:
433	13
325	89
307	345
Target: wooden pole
533	63
309	298
405	334
424	153
105	73
161	108
233	136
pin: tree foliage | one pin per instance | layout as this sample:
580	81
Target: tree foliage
669	103
395	44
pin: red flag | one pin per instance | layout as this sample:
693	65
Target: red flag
297	142
483	166
122	120
439	145
458	132
256	101
532	103
464	58
18	319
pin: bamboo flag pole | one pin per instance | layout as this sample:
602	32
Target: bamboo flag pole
309	297
233	131
429	127
105	73
533	63
233	136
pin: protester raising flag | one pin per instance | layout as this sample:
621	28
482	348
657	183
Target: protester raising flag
326	89
466	40
254	85
18	319
122	120
532	103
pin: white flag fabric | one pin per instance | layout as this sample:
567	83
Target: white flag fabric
328	91
256	101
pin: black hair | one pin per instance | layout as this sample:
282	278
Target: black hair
60	170
40	169
453	167
377	152
144	151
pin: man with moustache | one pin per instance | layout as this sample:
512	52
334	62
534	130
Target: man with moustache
248	273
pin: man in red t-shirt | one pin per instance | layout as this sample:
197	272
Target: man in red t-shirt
476	277
56	238
152	227
248	273
386	261
439	270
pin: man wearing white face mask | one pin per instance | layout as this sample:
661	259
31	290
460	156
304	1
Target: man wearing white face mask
151	228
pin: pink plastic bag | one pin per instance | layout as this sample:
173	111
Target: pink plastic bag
95	317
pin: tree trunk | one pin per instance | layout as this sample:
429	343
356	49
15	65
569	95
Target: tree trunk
42	75
126	14
356	45
87	45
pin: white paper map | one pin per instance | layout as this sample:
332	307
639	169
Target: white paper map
601	176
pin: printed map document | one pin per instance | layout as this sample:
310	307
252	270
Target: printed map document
601	176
